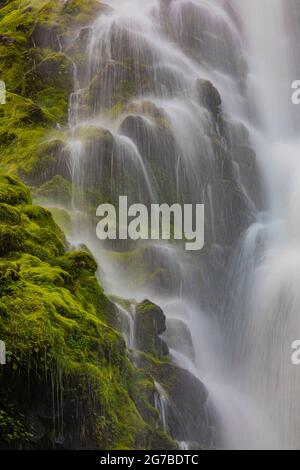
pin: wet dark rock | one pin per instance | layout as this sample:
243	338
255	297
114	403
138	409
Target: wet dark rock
179	338
117	82
156	143
47	36
209	97
244	159
43	421
150	323
148	266
126	43
53	70
106	158
191	24
186	399
53	158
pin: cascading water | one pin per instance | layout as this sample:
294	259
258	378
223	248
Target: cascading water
145	122
265	319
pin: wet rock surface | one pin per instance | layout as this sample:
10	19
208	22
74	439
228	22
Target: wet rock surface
150	323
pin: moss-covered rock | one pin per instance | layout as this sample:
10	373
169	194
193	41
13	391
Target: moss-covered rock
117	82
13	192
39	79
150	323
58	191
58	327
63	219
145	267
150	110
183	394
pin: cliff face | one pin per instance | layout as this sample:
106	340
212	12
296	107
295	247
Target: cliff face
70	381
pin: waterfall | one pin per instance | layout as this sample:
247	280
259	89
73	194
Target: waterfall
146	120
265	319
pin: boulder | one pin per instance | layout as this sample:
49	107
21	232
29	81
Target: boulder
53	158
57	190
209	97
185	400
150	323
179	338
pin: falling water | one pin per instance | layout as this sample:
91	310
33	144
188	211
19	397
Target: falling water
265	317
237	302
161	404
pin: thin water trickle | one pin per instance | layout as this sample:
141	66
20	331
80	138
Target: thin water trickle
161	404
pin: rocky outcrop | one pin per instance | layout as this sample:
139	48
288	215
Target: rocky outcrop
116	83
180	392
150	323
68	383
185	401
209	97
190	25
57	191
178	337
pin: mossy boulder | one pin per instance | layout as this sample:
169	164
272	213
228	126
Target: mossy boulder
57	190
117	83
149	128
13	192
96	185
185	398
151	111
63	219
93	135
146	267
50	158
56	20
150	323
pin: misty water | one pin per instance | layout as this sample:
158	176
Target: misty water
240	297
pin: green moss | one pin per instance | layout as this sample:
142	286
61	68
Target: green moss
9	214
92	134
149	109
82	11
63	219
58	326
116	84
22	129
12	191
124	303
137	268
11	426
150	323
38	79
58	190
